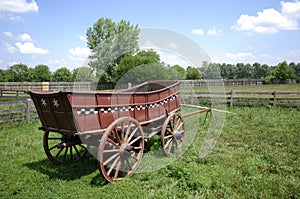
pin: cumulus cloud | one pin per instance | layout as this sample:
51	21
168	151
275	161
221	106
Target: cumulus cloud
233	58
271	21
214	31
9	48
21	37
198	31
18	6
30	48
210	32
79	53
82	38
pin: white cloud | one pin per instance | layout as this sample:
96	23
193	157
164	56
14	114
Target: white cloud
9	48
271	21
214	31
24	37
8	34
172	45
233	58
79	53
210	32
82	38
18	6
21	37
30	48
13	17
198	31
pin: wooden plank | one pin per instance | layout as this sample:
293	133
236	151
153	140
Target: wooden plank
11	119
11	111
12	103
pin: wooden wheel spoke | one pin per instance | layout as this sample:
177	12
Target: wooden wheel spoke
113	165
168	142
71	153
65	155
136	139
111	150
55	146
58	153
168	136
117	170
78	154
179	127
127	132
129	164
171	144
111	158
112	142
131	135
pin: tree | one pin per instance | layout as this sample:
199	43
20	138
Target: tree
211	71
244	71
181	73
41	73
192	73
131	61
109	43
260	71
62	75
19	72
83	74
296	68
4	75
284	73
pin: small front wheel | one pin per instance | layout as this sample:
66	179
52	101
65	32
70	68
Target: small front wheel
172	134
121	149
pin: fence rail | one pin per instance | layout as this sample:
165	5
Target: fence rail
15	111
232	98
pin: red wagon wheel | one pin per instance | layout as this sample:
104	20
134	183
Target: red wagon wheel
172	134
121	149
61	148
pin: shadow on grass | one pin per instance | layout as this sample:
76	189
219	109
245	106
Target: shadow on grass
70	171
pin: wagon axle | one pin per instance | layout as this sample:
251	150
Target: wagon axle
68	144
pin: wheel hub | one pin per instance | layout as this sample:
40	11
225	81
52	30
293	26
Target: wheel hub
125	150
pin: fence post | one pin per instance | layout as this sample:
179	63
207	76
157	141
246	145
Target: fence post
231	98
17	94
1	93
28	102
274	99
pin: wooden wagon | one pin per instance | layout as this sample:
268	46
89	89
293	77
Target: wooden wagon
118	123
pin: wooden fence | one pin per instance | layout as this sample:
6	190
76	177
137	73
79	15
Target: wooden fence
232	98
19	110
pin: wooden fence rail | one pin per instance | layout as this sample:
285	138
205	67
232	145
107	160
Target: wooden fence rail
283	99
19	110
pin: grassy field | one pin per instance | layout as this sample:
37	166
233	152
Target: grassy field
258	88
256	156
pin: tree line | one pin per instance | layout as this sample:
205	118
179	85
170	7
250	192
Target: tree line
116	56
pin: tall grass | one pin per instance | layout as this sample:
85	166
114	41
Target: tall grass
257	156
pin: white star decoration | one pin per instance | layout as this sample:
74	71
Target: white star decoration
44	104
55	103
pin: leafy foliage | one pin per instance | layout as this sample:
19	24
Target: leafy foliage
283	72
62	75
192	73
110	42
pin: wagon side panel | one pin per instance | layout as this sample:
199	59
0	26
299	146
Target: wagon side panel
85	111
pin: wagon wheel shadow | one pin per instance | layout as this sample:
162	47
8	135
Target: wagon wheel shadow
70	171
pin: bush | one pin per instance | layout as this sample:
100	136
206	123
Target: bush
269	80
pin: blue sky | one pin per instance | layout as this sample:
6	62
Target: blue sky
52	32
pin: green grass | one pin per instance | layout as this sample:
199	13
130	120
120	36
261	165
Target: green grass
258	88
256	156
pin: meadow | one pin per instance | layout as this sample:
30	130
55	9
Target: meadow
256	156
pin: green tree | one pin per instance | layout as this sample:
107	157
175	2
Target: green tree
244	71
284	73
62	75
131	61
181	73
211	71
4	75
192	73
19	72
296	68
109	43
83	74
41	73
